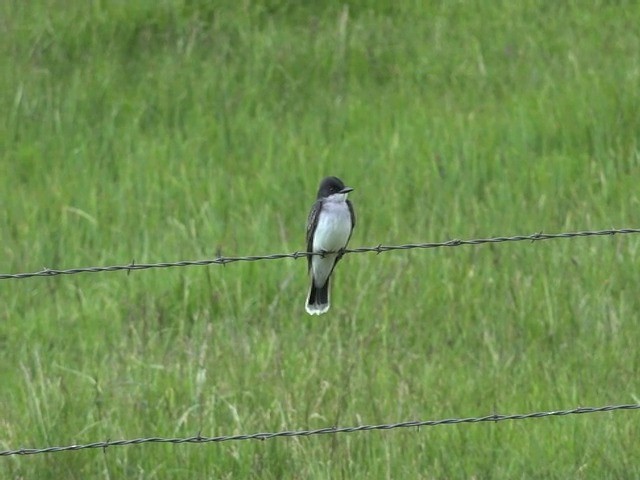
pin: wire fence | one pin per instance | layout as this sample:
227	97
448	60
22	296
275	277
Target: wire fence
321	431
47	272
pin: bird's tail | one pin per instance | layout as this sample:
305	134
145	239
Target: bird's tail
318	299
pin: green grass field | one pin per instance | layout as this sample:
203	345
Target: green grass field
180	130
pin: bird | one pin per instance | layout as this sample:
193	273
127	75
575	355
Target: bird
329	228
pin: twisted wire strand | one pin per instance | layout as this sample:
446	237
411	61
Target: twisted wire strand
47	272
320	431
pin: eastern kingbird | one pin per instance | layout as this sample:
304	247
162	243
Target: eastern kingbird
329	229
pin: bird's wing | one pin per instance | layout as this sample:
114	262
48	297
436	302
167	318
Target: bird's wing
353	219
353	214
312	223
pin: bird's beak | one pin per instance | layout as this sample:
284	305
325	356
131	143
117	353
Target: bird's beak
346	190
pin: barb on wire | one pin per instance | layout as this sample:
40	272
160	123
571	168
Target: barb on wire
321	431
220	260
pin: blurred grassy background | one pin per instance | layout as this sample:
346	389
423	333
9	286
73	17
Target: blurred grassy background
169	130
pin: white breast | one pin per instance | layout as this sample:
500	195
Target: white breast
334	227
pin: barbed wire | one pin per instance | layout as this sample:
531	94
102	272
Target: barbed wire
321	431
220	260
